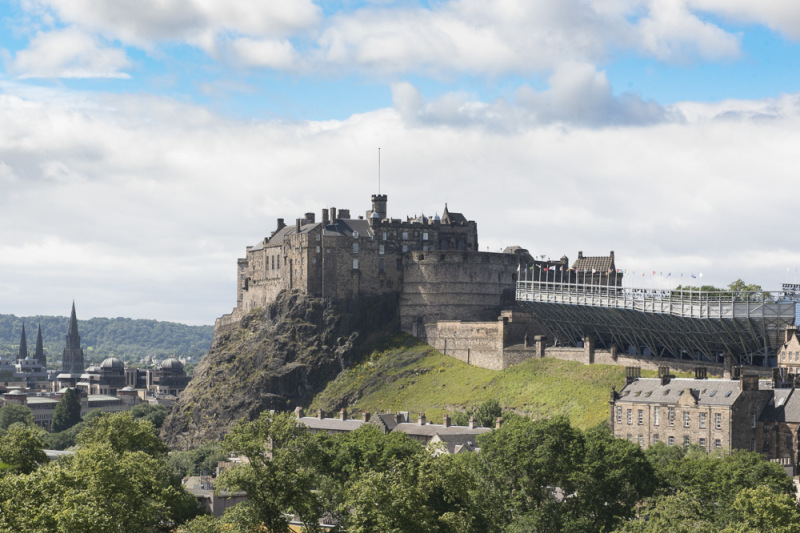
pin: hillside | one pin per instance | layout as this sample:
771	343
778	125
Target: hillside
404	374
276	358
125	338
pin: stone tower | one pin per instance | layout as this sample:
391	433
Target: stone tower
39	353
23	346
72	360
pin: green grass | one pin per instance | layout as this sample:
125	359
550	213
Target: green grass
403	374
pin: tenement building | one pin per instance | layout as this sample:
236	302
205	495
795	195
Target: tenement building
745	413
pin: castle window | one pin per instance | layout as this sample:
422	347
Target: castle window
425	248
380	250
405	248
702	442
641	441
425	236
313	260
380	264
384	235
318	249
355	247
702	420
671	416
640	417
717	443
405	235
670	440
656	415
752	445
318	237
686	419
655	438
753	421
766	446
619	415
355	263
630	417
789	441
686	442
717	421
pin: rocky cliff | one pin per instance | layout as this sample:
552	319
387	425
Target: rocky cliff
276	358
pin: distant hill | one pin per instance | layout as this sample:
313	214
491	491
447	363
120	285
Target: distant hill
125	338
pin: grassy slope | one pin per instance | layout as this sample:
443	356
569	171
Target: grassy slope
404	374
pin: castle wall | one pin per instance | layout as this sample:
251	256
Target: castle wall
446	285
476	343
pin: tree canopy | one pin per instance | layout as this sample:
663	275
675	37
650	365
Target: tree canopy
67	412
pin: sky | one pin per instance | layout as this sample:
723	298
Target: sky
145	143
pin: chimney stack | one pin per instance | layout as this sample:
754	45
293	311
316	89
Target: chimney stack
319	414
700	372
281	224
632	373
325	217
498	422
365	416
472	422
298	412
421	419
446	421
344	214
334	216
343	414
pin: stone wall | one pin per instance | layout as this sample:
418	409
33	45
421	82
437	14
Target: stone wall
467	286
476	343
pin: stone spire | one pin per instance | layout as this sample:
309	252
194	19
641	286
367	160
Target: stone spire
72	360
39	353
23	345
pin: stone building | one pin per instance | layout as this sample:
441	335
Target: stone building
340	256
169	378
711	413
72	361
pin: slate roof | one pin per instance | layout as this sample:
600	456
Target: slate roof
346	228
429	430
330	424
784	406
385	421
453	218
598	263
458	443
281	234
707	391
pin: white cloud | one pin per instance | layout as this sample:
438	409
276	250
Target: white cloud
277	54
781	15
68	53
671	32
143	22
577	95
140	206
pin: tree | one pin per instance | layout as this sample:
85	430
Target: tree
153	413
123	433
761	509
280	475
98	490
488	412
12	413
68	411
22	448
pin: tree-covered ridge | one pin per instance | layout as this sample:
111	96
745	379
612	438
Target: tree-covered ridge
125	338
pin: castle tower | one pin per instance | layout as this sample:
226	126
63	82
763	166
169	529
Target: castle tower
379	205
23	346
39	353
72	360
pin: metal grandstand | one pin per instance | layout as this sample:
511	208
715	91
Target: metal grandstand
684	324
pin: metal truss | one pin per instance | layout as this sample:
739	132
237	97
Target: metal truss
690	324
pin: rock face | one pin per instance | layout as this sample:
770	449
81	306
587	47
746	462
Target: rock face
277	358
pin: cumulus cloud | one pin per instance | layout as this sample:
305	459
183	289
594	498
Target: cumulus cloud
68	53
780	15
577	95
147	231
671	32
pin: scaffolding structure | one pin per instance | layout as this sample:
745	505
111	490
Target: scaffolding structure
684	324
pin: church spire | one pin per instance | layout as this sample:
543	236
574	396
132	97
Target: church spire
72	360
39	353
23	345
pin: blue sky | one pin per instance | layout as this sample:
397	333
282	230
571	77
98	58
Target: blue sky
145	143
